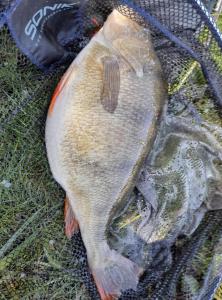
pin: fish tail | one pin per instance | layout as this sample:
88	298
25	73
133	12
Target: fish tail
115	274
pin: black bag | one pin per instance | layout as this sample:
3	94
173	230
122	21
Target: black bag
44	30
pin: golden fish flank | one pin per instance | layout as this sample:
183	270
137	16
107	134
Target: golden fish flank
100	128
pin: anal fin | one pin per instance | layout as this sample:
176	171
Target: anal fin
71	224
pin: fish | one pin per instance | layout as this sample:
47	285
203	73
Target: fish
101	125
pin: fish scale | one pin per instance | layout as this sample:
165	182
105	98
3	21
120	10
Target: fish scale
99	131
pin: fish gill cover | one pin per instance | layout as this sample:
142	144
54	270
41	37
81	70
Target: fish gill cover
182	177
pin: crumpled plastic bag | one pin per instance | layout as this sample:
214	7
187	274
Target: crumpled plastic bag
178	184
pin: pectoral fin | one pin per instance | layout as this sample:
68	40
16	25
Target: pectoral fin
111	83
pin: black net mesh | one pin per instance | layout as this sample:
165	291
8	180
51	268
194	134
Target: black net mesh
36	259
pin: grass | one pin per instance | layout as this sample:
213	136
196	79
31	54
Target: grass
33	248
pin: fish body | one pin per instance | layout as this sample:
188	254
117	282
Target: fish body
100	127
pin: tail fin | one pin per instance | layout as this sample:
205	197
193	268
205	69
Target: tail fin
115	274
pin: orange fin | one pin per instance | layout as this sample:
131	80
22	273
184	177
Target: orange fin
71	224
59	88
102	293
113	273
